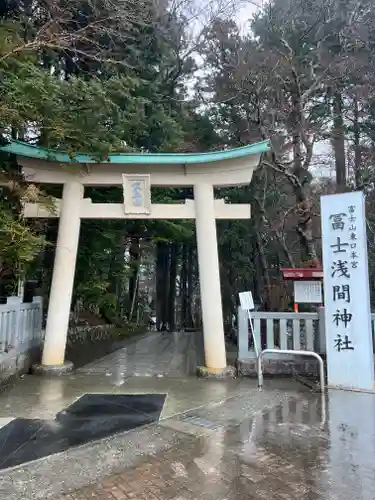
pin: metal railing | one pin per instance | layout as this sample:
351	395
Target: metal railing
295	353
298	353
20	325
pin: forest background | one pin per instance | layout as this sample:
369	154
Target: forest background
189	76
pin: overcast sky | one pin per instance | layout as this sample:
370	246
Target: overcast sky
246	12
322	161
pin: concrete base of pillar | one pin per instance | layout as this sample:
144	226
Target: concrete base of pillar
227	372
52	370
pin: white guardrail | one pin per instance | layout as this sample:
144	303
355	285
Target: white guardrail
284	331
20	325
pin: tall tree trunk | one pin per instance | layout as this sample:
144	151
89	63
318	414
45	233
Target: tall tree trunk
134	252
172	286
357	145
165	297
229	302
162	268
300	171
184	290
305	232
159	283
304	224
121	280
264	270
117	258
190	297
296	133
284	247
338	142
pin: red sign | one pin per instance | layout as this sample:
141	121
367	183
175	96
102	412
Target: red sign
302	273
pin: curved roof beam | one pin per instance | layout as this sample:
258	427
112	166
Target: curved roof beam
27	150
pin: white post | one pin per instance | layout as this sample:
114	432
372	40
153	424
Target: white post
243	334
63	275
209	277
322	331
21	288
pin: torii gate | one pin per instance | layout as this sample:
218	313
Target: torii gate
137	173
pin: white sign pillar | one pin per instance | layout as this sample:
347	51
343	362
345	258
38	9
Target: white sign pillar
209	278
63	275
349	341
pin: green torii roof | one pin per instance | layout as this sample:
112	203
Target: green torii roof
23	149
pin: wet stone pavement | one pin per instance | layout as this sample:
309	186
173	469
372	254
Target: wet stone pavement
174	354
135	425
284	453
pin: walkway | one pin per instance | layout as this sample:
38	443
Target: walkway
279	454
174	354
101	433
154	363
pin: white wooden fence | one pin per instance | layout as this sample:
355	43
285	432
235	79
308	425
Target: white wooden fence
283	330
20	326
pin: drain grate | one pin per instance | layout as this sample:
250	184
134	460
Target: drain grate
201	422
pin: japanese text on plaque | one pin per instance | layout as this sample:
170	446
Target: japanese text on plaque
345	260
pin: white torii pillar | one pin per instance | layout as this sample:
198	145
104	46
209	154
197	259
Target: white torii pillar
209	278
60	299
136	173
64	269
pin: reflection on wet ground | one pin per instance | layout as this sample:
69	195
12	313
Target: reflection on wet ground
155	363
281	453
285	453
174	354
214	440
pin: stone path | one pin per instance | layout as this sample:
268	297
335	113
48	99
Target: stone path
155	363
84	465
215	440
174	354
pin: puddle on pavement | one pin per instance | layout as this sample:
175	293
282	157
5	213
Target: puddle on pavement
289	452
294	452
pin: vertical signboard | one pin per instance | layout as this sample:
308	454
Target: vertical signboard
137	194
350	361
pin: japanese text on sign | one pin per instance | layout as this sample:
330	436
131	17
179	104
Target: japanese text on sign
137	193
346	291
342	225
